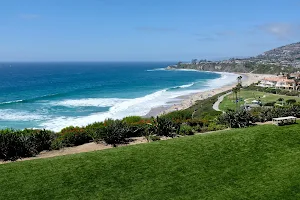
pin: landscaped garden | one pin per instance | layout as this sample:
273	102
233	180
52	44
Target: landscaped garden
259	162
246	96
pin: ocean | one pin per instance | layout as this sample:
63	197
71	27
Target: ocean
56	95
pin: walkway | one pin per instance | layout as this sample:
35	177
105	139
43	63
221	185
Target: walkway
220	99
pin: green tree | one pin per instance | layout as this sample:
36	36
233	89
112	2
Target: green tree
194	61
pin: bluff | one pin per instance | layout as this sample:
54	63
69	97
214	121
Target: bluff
285	59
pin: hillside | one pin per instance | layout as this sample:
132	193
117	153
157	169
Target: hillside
289	52
284	59
253	163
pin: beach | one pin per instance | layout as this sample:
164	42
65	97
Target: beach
189	100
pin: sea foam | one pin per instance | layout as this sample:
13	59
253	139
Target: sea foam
125	107
12	115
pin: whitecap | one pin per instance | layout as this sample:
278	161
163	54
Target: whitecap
96	102
157	69
13	115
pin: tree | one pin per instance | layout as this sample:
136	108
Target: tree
239	86
239	79
194	61
235	91
179	64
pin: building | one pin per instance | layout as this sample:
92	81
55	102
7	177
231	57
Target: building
280	82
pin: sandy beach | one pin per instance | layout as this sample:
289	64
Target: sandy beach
188	101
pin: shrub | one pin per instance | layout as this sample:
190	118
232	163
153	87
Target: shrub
132	119
186	130
280	99
197	128
42	139
15	144
96	131
74	136
115	132
270	103
238	119
164	127
291	101
138	128
196	122
180	115
215	127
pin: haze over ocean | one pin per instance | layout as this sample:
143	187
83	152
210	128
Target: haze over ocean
56	95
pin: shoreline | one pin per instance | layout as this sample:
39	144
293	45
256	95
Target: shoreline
189	100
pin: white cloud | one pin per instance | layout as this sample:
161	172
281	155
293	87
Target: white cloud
280	30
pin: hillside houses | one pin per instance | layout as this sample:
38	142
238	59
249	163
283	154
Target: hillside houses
282	82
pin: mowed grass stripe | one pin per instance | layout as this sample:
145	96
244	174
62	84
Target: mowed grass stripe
261	162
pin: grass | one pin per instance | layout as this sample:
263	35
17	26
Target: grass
204	108
261	162
248	96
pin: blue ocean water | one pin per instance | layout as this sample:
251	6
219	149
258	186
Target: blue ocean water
56	95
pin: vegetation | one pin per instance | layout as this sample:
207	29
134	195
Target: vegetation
203	108
201	117
247	96
242	118
15	144
254	87
260	162
186	130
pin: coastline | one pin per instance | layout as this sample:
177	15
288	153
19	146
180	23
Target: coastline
189	100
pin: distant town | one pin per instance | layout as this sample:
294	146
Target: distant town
284	59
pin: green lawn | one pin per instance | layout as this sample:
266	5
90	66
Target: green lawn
248	96
261	162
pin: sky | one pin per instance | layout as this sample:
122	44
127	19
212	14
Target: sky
140	30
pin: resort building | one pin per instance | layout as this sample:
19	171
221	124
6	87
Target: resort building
279	83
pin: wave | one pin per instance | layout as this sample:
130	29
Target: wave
31	99
12	115
157	69
120	108
95	102
181	86
11	102
187	70
225	79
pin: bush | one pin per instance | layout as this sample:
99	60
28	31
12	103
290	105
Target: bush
196	122
132	119
164	127
280	99
291	101
198	128
180	115
116	132
186	130
15	144
138	128
96	131
270	103
238	119
215	127
74	136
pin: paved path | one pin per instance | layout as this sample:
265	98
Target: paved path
220	99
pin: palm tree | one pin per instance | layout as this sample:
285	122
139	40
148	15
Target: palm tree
235	91
239	86
239	79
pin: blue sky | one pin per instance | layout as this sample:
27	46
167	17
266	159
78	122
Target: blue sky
140	30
